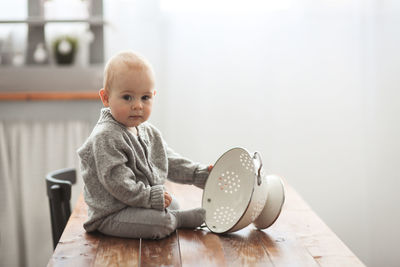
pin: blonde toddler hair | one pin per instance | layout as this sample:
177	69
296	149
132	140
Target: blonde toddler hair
122	61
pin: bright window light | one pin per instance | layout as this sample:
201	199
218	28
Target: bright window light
224	6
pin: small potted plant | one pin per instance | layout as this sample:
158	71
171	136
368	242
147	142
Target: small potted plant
65	48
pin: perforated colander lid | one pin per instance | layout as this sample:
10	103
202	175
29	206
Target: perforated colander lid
228	190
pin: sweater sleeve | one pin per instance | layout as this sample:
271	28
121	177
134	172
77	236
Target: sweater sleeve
118	179
185	171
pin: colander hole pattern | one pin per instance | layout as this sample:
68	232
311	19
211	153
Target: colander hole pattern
246	161
229	182
224	215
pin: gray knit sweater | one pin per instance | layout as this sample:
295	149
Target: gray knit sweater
120	169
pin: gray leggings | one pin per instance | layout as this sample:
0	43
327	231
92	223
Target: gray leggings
141	223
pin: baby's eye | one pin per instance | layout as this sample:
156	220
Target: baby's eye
127	97
146	97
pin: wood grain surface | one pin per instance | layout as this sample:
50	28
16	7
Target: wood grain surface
298	238
49	96
200	243
164	252
113	251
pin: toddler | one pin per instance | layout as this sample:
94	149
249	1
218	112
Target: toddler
125	160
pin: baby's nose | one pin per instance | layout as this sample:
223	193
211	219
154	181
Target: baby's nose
137	105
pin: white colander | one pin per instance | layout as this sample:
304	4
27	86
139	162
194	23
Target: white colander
236	193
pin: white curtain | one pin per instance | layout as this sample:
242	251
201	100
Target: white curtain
28	151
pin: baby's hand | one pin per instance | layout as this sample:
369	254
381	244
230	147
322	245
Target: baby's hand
167	199
210	168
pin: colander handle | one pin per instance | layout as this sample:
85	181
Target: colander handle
258	156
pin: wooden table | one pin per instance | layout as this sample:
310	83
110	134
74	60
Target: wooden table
298	238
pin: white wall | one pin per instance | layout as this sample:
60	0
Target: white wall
384	126
135	25
311	85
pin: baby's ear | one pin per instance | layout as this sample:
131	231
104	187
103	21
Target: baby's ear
104	97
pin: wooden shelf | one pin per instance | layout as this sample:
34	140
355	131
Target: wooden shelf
49	96
42	21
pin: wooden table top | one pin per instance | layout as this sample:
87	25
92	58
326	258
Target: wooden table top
298	238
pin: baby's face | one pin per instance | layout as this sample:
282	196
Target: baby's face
131	97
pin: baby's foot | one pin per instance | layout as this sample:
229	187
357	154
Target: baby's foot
190	218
